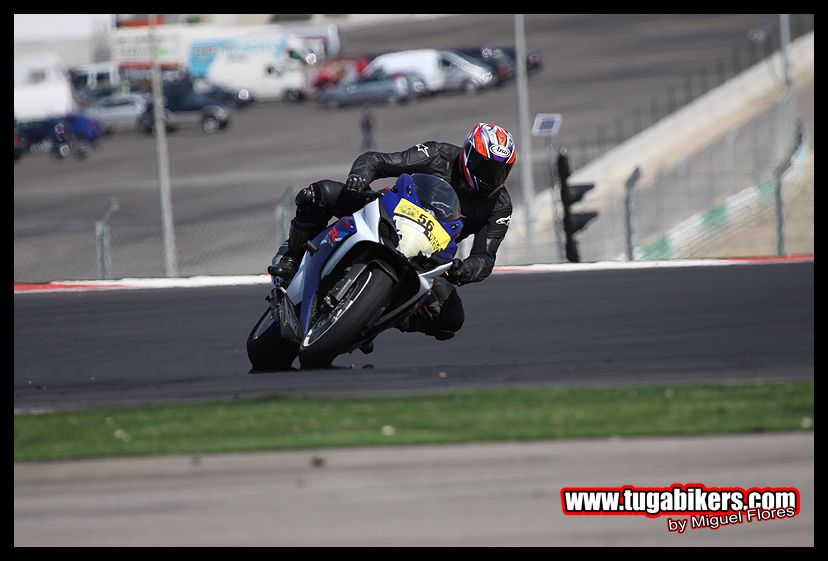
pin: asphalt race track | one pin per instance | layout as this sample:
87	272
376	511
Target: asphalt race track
747	321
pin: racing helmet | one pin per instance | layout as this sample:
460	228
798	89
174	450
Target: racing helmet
488	156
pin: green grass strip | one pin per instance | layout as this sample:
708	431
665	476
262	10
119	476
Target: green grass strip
464	416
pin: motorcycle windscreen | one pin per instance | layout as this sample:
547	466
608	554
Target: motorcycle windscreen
437	196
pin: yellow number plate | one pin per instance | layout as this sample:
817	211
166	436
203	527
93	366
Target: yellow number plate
435	233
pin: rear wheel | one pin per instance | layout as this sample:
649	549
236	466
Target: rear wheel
265	347
210	124
340	327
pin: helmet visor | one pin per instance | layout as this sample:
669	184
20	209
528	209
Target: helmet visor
491	174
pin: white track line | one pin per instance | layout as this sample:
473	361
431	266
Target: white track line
239	280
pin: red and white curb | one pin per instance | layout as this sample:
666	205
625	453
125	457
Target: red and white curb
239	280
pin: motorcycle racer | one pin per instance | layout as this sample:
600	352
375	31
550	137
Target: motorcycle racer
477	171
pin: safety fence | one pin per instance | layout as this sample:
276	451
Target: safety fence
758	45
739	170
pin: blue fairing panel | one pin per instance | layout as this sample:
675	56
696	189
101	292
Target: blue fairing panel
326	241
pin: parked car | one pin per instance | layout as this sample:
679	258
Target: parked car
373	87
119	111
84	127
188	108
416	84
442	70
32	136
534	61
238	98
59	135
501	63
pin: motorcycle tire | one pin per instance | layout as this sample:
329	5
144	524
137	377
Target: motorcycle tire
266	349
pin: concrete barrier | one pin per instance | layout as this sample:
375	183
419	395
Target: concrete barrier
664	144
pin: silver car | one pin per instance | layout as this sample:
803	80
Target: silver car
119	112
464	73
374	87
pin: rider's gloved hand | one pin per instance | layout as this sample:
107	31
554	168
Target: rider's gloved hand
356	192
458	274
357	183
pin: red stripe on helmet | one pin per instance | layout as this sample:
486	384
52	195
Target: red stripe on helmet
480	143
502	138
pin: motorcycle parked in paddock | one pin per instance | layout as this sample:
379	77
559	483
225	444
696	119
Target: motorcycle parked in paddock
360	276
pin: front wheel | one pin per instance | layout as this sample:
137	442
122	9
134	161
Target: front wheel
265	347
338	328
470	88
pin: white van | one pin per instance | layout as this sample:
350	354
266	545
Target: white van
41	87
94	75
441	70
270	65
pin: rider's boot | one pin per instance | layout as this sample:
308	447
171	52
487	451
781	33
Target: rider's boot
422	321
287	265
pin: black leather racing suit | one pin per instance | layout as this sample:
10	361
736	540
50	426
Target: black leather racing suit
485	218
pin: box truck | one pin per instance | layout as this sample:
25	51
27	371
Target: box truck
41	88
267	61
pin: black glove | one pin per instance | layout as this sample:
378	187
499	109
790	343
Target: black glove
357	183
354	199
457	273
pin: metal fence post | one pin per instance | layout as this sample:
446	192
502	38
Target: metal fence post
103	241
777	175
283	213
629	189
163	158
780	219
527	181
279	214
